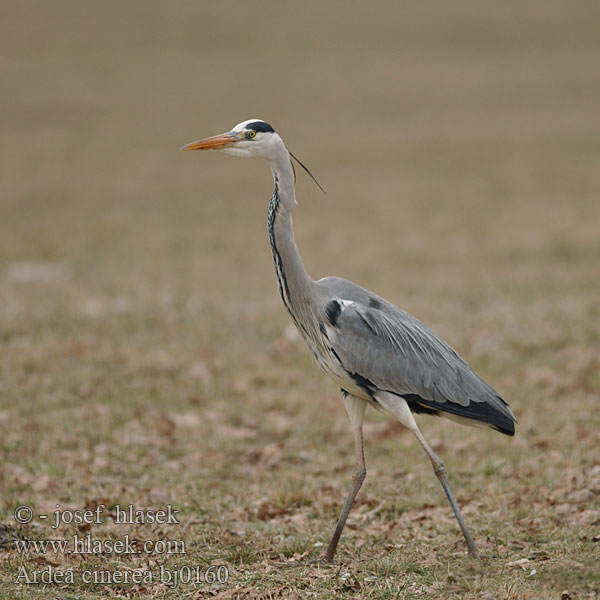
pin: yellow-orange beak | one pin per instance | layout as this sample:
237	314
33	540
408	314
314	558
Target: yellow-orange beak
216	142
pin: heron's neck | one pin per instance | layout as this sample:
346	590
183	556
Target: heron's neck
295	285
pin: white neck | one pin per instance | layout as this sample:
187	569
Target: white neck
295	285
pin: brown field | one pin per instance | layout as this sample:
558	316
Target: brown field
147	358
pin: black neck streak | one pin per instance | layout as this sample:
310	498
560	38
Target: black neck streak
284	289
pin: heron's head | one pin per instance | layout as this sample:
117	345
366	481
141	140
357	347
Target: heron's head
248	138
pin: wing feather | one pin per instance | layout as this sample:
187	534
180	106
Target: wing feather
398	354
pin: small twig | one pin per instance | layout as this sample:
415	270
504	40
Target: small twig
369	516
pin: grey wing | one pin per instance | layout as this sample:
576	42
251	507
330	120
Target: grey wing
384	348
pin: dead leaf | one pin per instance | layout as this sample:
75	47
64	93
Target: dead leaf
268	456
42	483
94	503
580	495
201	372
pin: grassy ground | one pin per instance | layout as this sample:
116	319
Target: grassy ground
147	360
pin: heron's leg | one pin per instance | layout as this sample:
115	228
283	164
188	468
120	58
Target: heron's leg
356	411
399	408
440	472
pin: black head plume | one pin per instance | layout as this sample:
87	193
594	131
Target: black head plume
306	169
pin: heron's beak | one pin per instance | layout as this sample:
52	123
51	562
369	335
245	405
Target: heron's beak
216	142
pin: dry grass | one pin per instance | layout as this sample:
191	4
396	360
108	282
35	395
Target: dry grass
146	358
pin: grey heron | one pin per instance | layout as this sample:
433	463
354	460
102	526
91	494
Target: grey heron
378	354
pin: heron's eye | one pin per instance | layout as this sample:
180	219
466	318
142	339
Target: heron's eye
251	134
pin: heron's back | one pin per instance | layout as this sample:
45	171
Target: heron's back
374	346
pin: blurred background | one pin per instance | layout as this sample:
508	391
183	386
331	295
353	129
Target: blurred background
459	145
441	133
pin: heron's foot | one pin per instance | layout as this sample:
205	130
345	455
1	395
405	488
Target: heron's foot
473	552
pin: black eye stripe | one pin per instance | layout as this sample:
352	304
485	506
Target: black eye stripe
260	126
